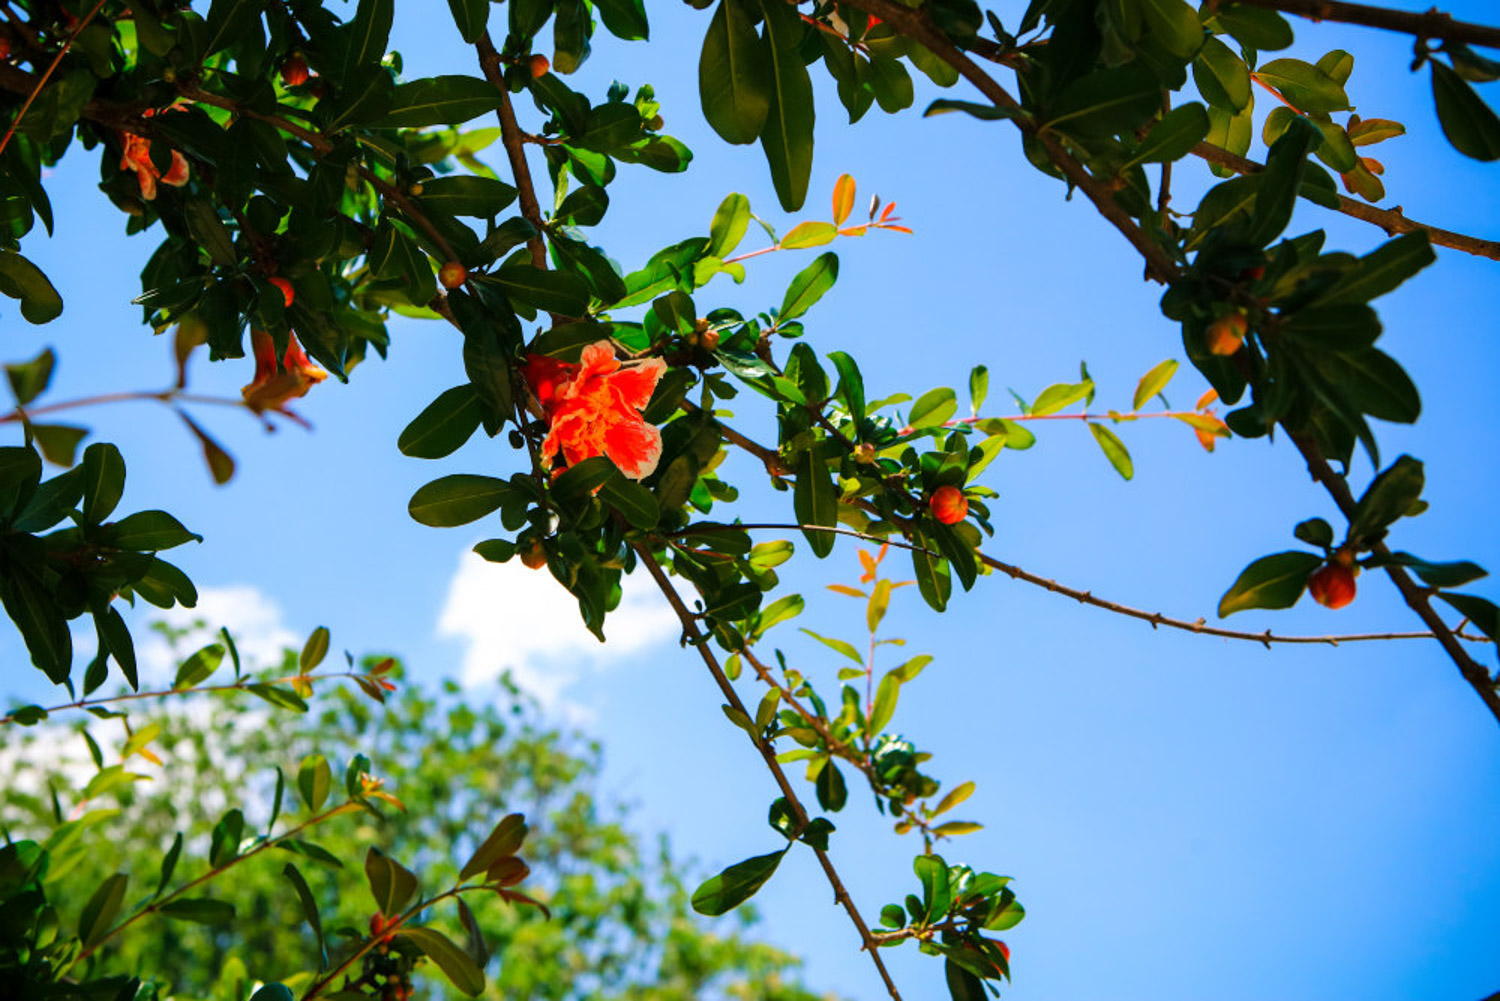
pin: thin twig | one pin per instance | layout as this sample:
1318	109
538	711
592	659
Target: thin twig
1199	626
1428	24
515	152
238	686
47	73
692	635
1390	220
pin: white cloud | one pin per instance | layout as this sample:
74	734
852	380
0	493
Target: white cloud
252	618
517	619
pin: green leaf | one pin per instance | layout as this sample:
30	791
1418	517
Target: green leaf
1114	449
634	501
736	884
443	426
1381	271
392	885
933	578
224	847
471	17
830	787
169	864
1222	77
228	22
1479	611
809	234
314	781
314	650
1275	581
1255	27
58	442
1350	327
99	913
149	531
1106	102
199	667
787	135
1470	124
734	75
481	197
851	387
1315	532
309	910
458	966
200	910
809	286
730	221
458	499
1278	185
281	698
505	840
1153	382
28	380
1453	574
440	100
838	645
886	694
1174	136
1391	495
1304	85
1175	25
937	894
552	291
984	112
815	501
1056	397
933	408
20	279
625	19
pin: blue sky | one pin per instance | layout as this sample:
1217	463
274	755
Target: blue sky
1185	817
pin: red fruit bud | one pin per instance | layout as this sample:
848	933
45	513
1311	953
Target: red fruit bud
1225	335
294	72
452	275
287	291
4	47
710	341
1254	274
539	66
536	557
1332	585
949	505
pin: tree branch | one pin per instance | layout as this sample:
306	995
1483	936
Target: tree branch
1390	220
515	152
1428	24
691	634
1199	626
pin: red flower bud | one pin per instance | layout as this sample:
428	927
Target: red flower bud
1225	335
949	505
539	66
287	291
452	275
294	72
1332	585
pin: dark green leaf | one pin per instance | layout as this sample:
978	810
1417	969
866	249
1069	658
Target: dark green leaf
787	136
200	911
20	279
470	16
481	197
440	100
552	291
443	426
736	884
814	501
809	286
1470	124
99	913
831	790
391	884
458	966
1391	495
457	499
29	379
149	531
1275	581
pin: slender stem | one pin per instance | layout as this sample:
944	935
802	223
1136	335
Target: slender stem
157	904
239	686
1390	220
515	152
691	634
1198	626
1428	24
47	73
166	396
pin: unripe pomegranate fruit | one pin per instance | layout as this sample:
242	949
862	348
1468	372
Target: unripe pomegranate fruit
1332	585
539	65
294	72
536	557
1225	335
949	505
287	291
452	275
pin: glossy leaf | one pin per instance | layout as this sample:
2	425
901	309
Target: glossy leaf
736	884
443	426
457	499
734	75
787	135
1275	581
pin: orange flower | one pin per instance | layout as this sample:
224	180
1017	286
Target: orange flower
593	408
274	385
137	157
